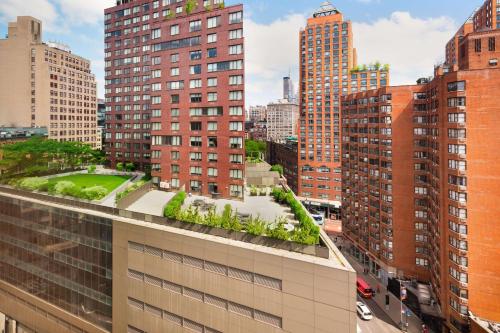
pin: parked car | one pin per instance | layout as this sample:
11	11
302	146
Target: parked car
318	218
363	311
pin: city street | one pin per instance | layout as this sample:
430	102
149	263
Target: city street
381	323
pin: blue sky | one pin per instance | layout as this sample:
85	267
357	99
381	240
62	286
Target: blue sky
408	34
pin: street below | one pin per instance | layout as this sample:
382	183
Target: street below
381	323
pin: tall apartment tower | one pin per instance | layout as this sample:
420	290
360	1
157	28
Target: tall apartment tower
328	70
45	85
419	182
175	90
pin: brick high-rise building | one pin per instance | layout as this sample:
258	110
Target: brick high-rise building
45	85
328	71
175	90
420	182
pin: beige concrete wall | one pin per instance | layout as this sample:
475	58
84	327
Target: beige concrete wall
316	295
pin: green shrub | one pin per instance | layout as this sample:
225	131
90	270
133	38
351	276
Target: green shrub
190	215
91	169
277	230
65	187
253	191
131	188
130	167
256	226
277	168
190	6
173	207
95	192
119	166
212	219
33	183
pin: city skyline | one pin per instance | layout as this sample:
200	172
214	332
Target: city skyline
80	25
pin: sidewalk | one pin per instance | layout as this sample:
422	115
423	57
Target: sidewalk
414	323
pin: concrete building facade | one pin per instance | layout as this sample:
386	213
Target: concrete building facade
282	120
56	276
257	113
54	88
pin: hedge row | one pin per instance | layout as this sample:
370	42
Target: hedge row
173	208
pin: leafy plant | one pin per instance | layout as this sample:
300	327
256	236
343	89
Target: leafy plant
65	187
173	207
190	6
91	169
277	230
130	167
221	5
253	191
277	168
95	192
256	226
119	166
131	188
33	183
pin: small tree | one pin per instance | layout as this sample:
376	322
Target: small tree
91	169
119	166
386	67
377	65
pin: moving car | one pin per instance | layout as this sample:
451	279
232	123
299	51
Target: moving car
363	311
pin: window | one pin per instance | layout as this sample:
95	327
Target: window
212	53
236	17
174	168
196	126
212	97
456	101
195	170
235	126
457	196
235	143
155	33
212	38
212	141
195	141
174	71
174	99
421	262
175	155
236	174
457	149
236	190
156	74
174	112
212	82
195	69
236	158
456	117
195	55
212	126
156	100
477	45
195	26
174	126
235	110
212	157
236	34
174	30
174	57
156	87
235	49
235	95
454	133
195	156
456	86
195	98
491	43
195	112
195	185
213	22
457	165
175	85
235	80
212	172
195	83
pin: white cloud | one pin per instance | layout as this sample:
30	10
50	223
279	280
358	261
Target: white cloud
40	9
412	46
83	12
271	51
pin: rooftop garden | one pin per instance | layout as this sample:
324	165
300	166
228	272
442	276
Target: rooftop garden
306	232
377	66
255	150
81	186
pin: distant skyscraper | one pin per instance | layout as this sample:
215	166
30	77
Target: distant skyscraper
288	90
45	85
257	113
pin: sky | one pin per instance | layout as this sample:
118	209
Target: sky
409	35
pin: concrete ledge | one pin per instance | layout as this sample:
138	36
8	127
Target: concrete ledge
133	196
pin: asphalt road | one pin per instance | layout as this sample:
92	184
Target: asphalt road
381	323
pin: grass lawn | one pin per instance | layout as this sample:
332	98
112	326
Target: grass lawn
85	180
